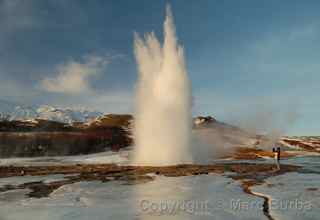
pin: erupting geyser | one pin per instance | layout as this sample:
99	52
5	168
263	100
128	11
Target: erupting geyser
163	106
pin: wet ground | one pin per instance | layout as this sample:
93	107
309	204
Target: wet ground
253	180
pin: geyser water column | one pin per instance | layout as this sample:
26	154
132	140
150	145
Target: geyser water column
163	100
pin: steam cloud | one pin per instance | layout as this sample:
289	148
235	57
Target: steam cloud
163	106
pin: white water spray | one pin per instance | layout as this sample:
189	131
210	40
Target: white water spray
163	106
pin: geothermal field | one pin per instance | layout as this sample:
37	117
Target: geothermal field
158	162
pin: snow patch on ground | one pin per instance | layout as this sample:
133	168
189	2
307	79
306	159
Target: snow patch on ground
116	200
18	180
293	195
121	157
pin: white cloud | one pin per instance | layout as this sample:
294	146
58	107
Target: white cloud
75	77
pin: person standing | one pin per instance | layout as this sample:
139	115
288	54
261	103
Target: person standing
276	152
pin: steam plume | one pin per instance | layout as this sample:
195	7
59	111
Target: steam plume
163	106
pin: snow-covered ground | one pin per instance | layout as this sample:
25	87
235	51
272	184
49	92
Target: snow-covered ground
121	157
18	180
292	195
198	197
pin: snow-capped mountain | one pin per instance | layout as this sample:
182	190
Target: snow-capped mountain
67	115
11	111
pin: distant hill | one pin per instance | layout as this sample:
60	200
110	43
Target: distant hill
38	137
42	137
16	112
222	135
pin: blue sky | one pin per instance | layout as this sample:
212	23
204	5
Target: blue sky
253	63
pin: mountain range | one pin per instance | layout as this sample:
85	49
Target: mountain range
16	112
28	131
